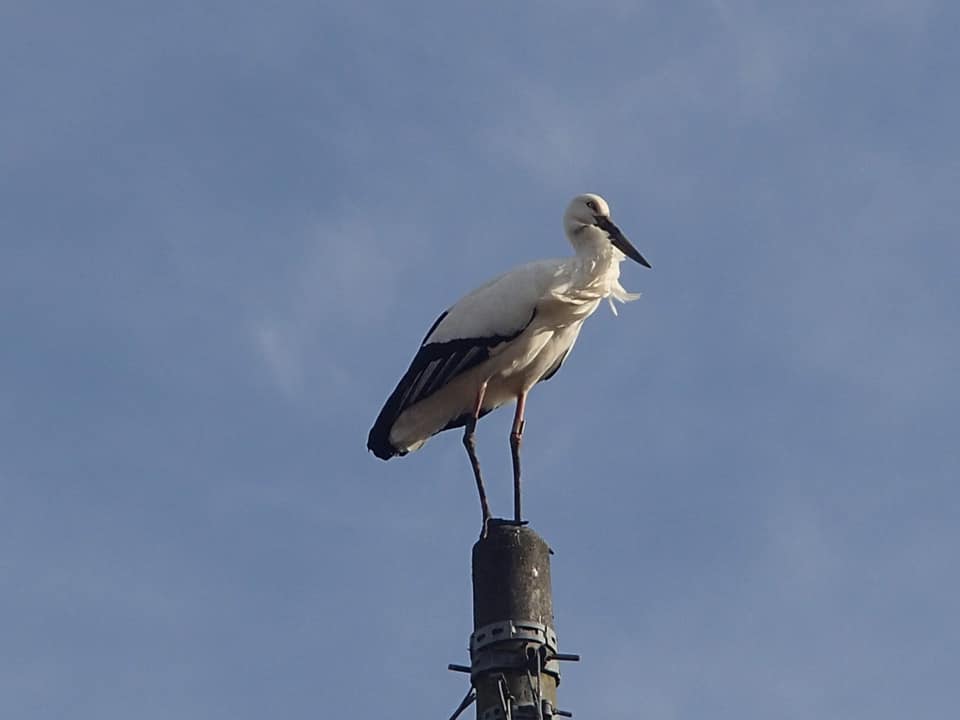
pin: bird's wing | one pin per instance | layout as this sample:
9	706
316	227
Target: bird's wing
463	337
503	307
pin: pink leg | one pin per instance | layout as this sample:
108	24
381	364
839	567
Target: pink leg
469	442
516	434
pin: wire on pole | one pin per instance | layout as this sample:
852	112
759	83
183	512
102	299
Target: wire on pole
465	703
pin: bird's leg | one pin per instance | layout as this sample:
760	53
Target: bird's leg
470	443
516	434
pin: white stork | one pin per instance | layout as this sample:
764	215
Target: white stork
499	341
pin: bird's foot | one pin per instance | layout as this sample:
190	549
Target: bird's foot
510	522
485	527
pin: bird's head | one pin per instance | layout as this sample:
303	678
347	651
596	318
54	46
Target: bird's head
587	223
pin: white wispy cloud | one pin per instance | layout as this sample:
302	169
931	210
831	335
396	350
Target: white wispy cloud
344	281
279	348
866	311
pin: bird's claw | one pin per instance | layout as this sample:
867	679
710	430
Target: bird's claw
488	521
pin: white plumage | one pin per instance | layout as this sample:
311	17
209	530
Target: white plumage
496	343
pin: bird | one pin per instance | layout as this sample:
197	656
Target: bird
493	345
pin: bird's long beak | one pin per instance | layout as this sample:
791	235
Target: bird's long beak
620	241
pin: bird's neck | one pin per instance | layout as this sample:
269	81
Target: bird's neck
594	271
596	260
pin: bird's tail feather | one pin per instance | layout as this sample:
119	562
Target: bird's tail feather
378	441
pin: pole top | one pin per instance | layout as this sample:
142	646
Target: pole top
502	531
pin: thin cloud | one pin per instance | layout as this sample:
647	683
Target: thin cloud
276	346
344	283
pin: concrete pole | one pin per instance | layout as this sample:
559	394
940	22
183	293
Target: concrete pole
514	662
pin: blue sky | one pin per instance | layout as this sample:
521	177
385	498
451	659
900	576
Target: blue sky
225	226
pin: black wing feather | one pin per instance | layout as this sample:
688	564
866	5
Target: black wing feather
556	366
434	365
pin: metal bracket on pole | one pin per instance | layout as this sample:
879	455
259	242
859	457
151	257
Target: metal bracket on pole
521	645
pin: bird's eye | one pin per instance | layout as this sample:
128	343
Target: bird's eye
592	205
